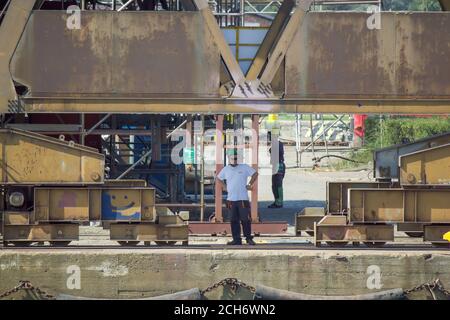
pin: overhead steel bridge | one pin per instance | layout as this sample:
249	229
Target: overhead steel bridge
180	62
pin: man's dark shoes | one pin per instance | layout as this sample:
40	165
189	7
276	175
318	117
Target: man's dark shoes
250	242
275	206
234	243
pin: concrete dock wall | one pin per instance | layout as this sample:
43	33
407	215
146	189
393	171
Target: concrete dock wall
121	273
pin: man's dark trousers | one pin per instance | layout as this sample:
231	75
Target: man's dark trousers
240	214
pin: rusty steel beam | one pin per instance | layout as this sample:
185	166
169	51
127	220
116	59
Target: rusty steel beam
243	106
125	54
230	61
10	32
334	64
399	205
428	167
282	45
445	5
270	39
337	56
224	228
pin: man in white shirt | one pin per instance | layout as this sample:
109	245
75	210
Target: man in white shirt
233	178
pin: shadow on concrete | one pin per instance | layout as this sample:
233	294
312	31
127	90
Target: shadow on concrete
289	210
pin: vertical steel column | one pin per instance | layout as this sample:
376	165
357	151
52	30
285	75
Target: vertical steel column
298	138
202	172
255	150
312	135
219	166
83	129
324	134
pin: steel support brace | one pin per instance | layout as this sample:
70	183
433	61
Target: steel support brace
269	40
279	52
10	32
230	61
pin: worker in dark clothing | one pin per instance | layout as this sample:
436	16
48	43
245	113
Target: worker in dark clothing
150	5
278	172
233	178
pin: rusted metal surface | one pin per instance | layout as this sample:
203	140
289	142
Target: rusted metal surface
386	165
227	106
131	62
16	218
41	232
435	233
210	22
270	39
305	220
337	193
149	232
335	55
10	33
411	227
126	183
234	106
427	167
399	205
118	55
445	5
30	158
353	233
224	228
84	204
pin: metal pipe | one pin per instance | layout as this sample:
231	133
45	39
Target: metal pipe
4	9
97	124
134	165
177	128
186	205
191	294
83	133
298	138
312	135
268	293
125	5
337	120
325	138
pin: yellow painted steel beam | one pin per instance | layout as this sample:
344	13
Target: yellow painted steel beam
426	167
418	205
274	32
226	106
30	158
11	30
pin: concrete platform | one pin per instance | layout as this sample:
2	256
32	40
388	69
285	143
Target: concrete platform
143	272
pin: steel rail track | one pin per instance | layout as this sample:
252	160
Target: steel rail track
285	247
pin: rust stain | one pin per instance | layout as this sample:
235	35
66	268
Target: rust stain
334	55
126	54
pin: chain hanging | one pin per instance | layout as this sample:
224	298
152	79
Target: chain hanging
27	285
